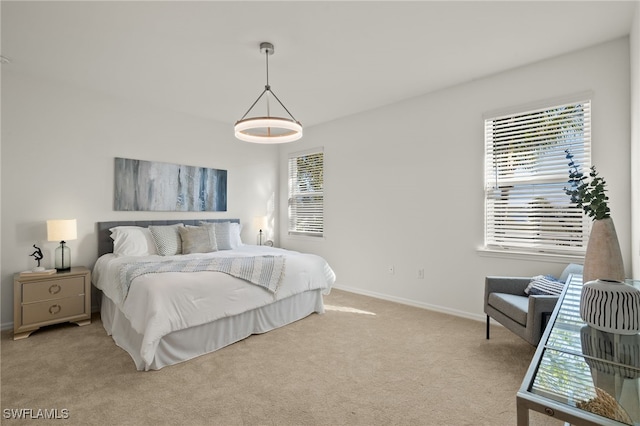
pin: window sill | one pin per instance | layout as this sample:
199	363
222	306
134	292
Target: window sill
524	255
305	237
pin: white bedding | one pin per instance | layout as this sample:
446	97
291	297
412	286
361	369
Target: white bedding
158	304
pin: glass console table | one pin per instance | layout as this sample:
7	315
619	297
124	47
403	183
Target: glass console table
578	371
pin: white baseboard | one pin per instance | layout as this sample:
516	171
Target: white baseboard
428	306
413	303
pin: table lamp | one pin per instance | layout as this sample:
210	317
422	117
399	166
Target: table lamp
61	230
260	222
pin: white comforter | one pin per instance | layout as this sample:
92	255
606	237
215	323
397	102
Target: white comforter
158	304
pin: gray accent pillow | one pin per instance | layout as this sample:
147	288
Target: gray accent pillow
167	239
198	239
223	235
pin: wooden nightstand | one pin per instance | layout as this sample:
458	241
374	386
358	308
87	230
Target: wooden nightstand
51	299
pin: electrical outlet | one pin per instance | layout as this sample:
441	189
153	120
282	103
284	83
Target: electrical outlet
391	269
421	274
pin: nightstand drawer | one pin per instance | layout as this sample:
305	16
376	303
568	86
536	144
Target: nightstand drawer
52	289
52	310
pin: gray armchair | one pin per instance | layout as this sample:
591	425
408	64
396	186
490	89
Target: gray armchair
506	302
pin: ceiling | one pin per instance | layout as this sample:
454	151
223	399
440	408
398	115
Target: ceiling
332	58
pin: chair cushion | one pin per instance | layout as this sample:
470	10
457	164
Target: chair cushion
511	305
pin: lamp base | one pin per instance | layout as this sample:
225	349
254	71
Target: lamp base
63	257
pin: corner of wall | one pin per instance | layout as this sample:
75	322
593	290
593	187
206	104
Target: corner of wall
634	55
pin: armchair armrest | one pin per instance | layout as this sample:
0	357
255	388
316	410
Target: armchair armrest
536	321
539	303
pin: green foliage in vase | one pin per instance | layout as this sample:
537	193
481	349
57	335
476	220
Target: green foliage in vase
589	196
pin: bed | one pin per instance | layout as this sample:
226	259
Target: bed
165	305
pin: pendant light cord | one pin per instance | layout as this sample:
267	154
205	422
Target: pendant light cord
266	54
268	87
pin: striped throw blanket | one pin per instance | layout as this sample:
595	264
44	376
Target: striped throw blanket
264	271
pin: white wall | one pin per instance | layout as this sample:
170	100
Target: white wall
58	149
394	176
635	141
404	183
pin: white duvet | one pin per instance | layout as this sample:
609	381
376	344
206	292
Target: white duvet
158	304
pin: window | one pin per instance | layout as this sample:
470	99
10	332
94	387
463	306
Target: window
306	199
526	171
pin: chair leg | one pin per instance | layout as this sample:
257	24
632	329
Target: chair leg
487	327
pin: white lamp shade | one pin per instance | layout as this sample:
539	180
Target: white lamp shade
62	230
260	222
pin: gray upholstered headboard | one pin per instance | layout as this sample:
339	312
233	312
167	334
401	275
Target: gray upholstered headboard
105	243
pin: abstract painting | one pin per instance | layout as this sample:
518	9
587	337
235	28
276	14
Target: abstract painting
154	186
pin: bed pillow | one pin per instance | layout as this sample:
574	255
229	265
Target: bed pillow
544	284
234	234
132	241
167	239
223	235
198	239
227	234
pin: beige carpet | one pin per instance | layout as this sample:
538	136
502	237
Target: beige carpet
364	362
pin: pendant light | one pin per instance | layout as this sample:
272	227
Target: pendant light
268	129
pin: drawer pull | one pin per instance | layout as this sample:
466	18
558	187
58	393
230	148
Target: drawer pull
55	309
55	289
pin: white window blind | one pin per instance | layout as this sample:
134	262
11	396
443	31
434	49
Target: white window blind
306	196
526	171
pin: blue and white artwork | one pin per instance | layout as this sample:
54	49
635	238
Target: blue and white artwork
153	186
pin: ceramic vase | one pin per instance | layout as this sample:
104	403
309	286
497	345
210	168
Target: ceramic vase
611	306
603	259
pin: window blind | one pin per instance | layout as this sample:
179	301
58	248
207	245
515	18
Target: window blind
526	171
306	196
